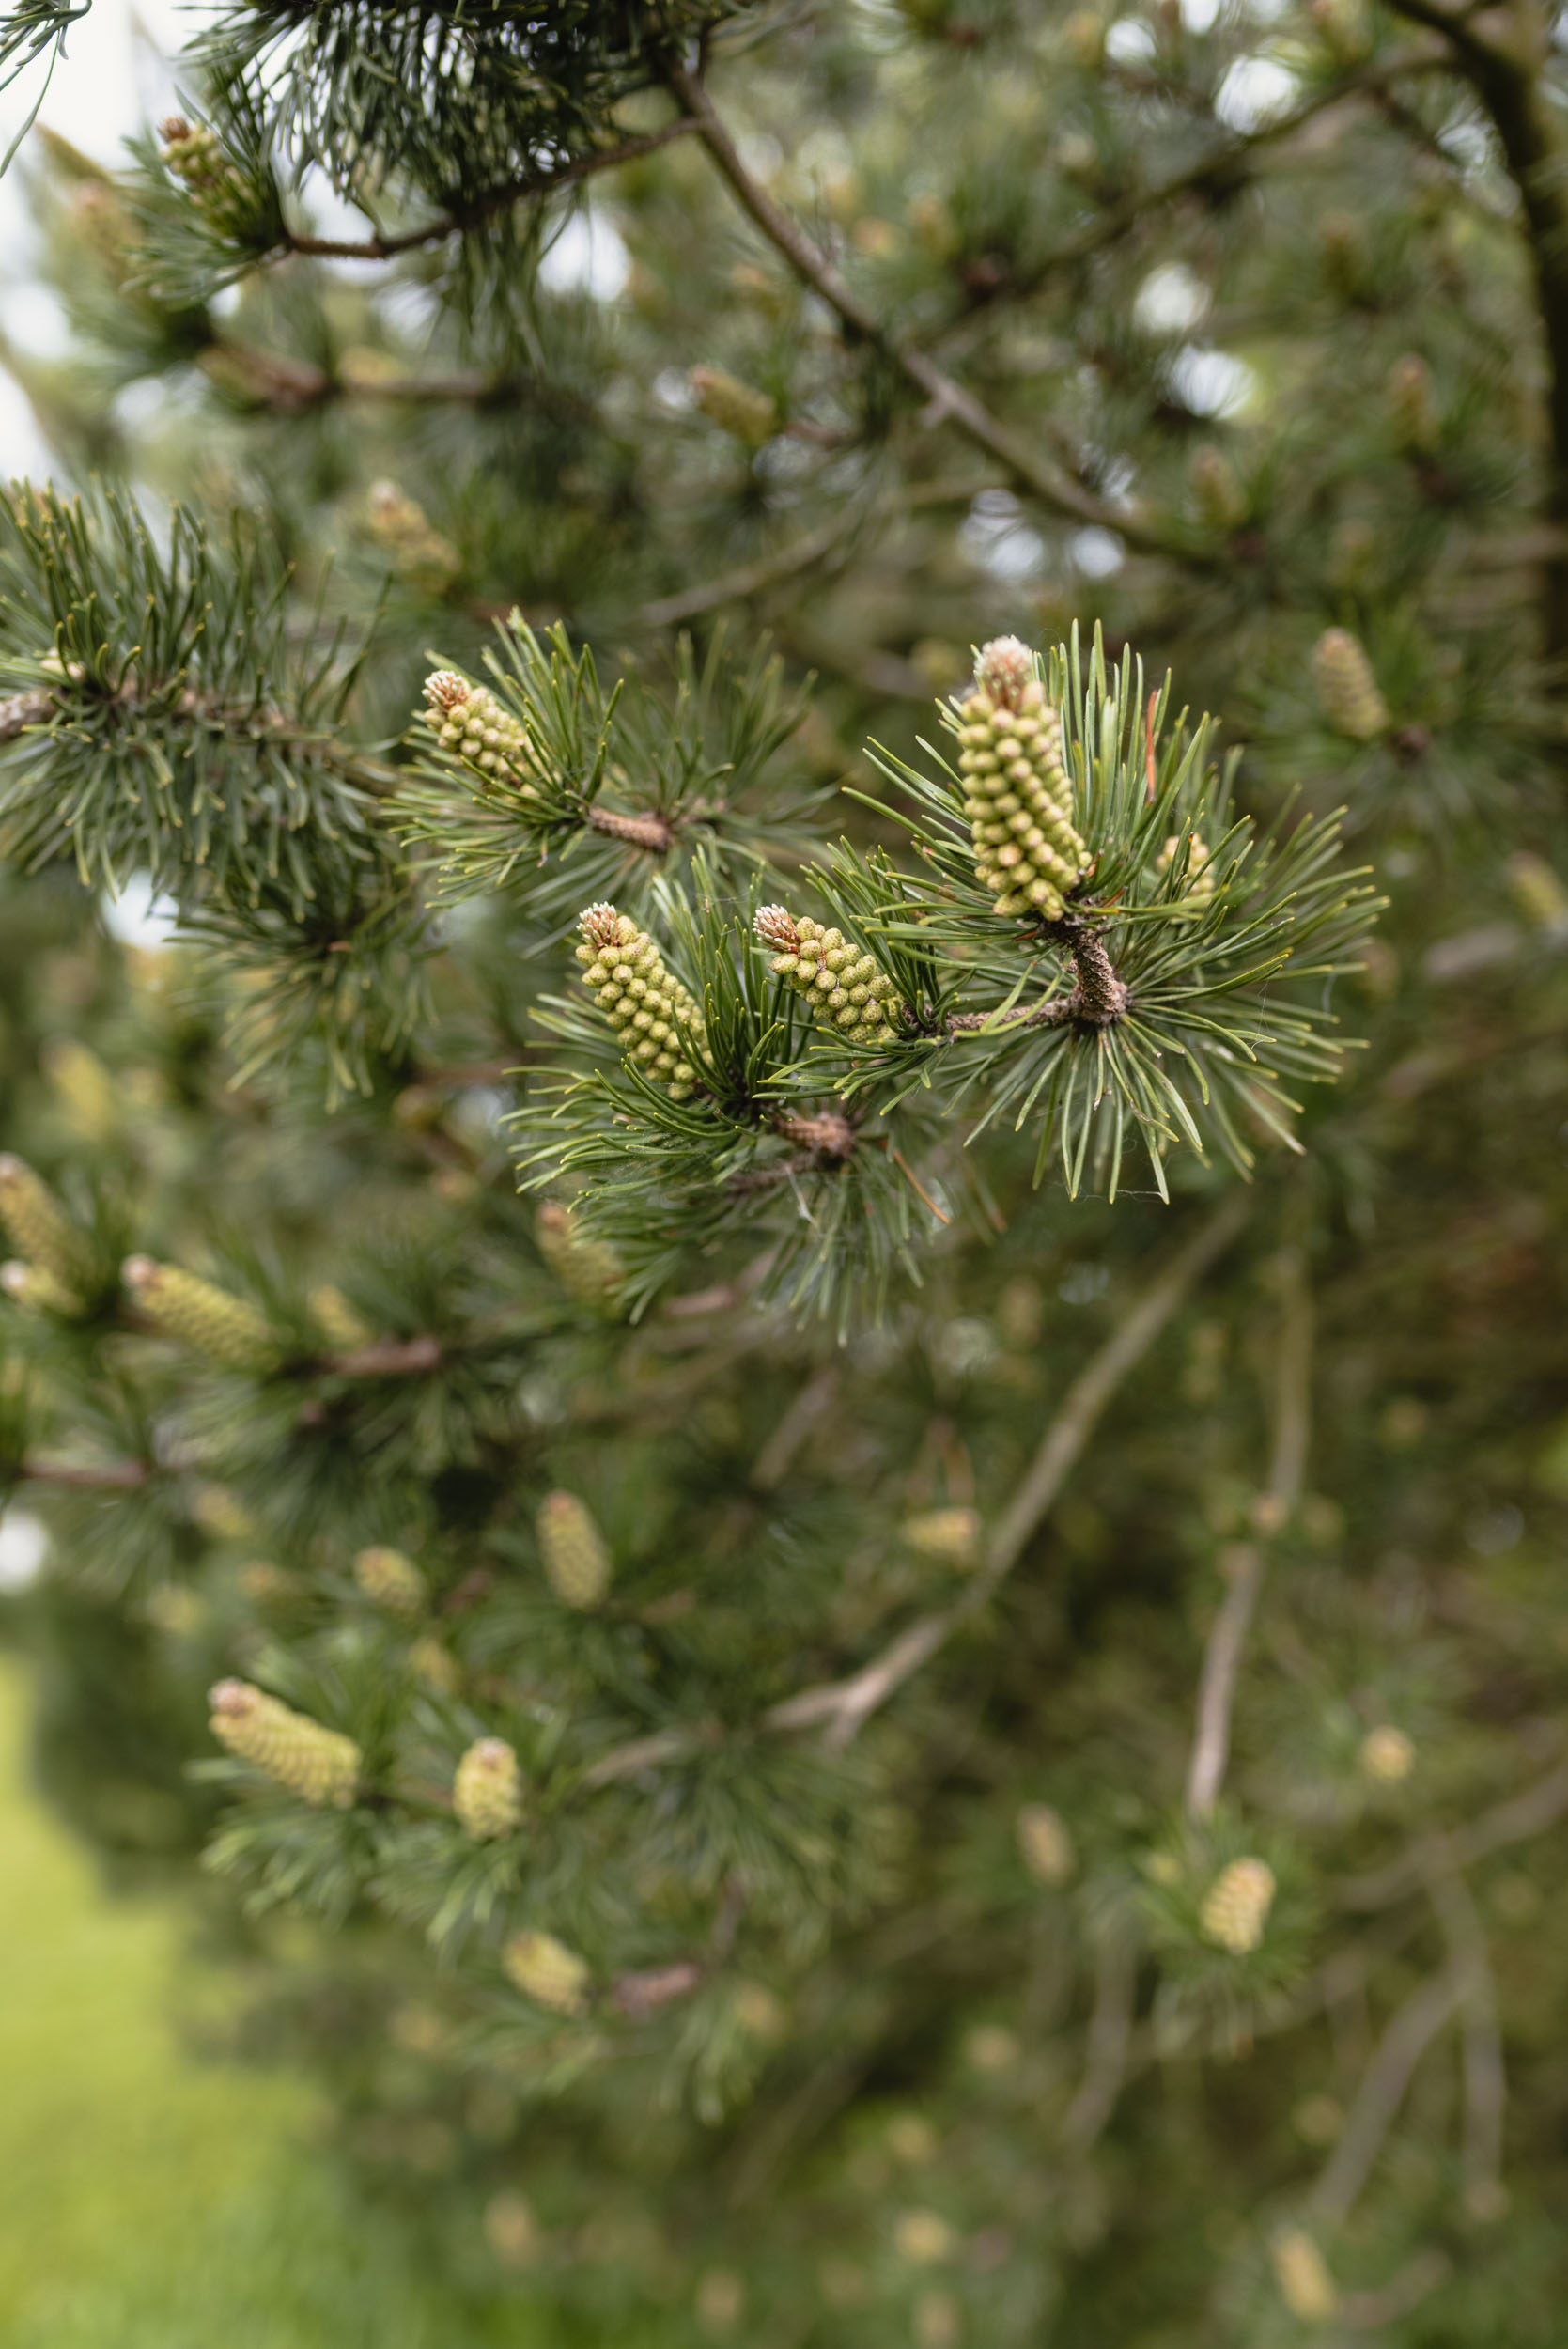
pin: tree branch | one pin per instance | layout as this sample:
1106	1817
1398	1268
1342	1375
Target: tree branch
1515	1821
1508	74
845	1704
460	219
949	399
1486	2080
1222	1657
110	1476
1382	2092
1110	2038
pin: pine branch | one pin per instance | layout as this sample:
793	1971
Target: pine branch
1501	52
461	220
1486	2079
1515	1821
109	1477
1399	2051
1283	1490
950	400
846	1706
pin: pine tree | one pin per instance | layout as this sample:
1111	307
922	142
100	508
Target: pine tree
841	1351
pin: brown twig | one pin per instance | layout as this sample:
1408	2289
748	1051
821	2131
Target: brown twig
1109	2040
950	400
108	1476
1382	2092
460	219
846	1704
1532	1812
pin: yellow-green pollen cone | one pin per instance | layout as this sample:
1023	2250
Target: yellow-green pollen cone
320	1765
468	721
847	988
654	1016
1017	792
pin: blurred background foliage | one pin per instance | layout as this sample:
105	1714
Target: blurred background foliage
1260	308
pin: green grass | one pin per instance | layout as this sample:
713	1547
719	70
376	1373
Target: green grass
150	2202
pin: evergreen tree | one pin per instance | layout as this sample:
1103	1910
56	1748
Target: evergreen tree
847	1494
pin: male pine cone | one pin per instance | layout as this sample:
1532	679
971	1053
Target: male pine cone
42	1231
391	1581
656	1018
1017	792
487	1790
178	1304
1346	688
1236	1905
849	991
577	1565
468	721
319	1764
588	1270
545	1971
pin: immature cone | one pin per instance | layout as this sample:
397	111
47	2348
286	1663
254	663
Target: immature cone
1346	688
735	407
1017	793
317	1765
950	1535
1306	2287
435	1665
849	991
1412	405
342	1324
37	1291
179	1305
1388	1755
656	1018
1236	1905
194	153
468	721
1537	891
576	1561
487	1790
545	1971
41	1231
1045	1846
400	524
392	1582
588	1270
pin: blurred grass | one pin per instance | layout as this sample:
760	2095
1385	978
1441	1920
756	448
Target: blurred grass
150	2202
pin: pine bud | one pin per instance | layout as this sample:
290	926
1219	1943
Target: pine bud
847	989
435	1665
85	1090
400	524
656	1018
487	1790
392	1582
588	1270
950	1535
193	154
1306	2287
511	2229
922	2237
342	1324
1388	1755
177	1304
1236	1905
469	722
317	1765
266	1584
42	1231
1017	792
1537	891
576	1561
735	407
1044	1845
545	1971
1412	406
38	1291
1346	688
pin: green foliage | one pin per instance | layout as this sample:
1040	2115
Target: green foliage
949	1470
